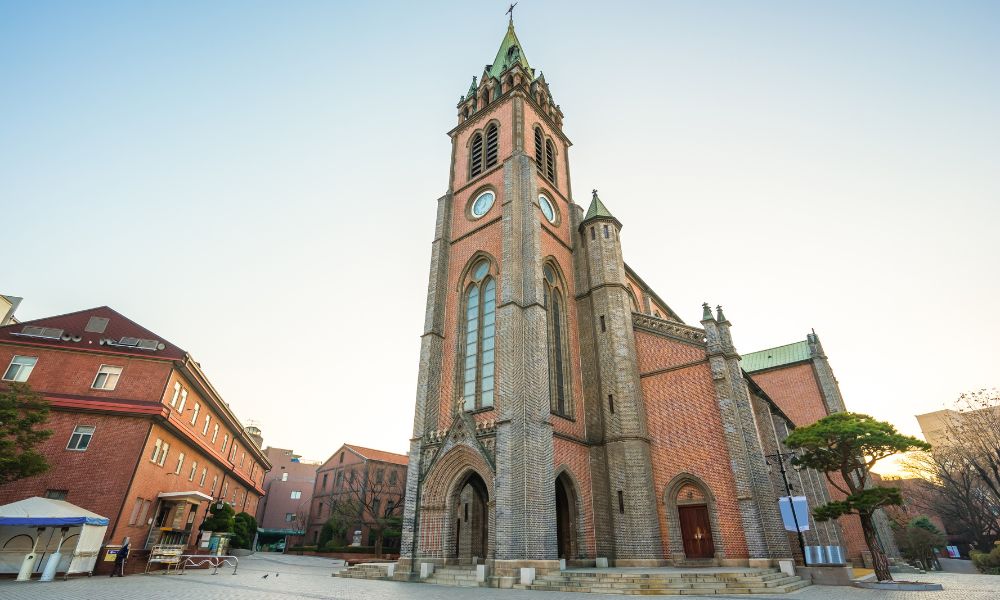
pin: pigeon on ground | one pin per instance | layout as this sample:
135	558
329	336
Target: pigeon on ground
276	574
264	576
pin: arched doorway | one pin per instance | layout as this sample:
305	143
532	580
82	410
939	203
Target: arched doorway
470	515
566	517
691	520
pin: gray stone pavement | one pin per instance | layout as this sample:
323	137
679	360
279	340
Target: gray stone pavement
310	577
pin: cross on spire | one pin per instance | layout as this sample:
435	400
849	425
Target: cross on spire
510	11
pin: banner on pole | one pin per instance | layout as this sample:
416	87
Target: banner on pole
801	514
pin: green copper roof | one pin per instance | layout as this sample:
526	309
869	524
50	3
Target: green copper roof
597	210
775	357
510	52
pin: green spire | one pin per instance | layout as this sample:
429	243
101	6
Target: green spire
473	87
510	52
597	210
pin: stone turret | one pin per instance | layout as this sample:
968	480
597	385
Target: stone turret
624	446
762	525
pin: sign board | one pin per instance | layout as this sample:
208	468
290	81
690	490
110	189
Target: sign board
801	507
357	538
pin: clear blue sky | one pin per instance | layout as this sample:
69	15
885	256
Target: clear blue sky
256	181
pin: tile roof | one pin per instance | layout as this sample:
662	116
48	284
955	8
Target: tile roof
379	455
776	357
74	324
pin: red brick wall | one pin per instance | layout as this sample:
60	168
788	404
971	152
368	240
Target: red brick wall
575	459
96	479
685	429
73	372
796	392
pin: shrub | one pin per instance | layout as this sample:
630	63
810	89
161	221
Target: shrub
987	562
244	530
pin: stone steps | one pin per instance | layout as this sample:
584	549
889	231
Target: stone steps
640	584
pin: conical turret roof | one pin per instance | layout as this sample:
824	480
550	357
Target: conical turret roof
597	210
510	52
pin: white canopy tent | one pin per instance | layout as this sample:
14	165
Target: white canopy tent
41	526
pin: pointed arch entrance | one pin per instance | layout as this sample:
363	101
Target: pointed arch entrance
693	526
567	517
470	515
457	508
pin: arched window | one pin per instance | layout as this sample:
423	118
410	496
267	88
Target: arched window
539	157
492	143
476	155
550	161
480	339
555	308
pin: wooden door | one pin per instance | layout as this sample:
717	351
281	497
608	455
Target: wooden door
696	531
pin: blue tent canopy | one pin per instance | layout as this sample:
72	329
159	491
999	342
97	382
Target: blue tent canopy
45	512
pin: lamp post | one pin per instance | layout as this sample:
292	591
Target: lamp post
779	459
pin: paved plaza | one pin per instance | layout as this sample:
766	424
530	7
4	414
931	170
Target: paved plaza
310	577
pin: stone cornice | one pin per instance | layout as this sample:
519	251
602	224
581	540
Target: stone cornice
520	92
670	329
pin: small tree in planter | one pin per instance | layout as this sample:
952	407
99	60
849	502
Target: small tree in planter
244	530
850	444
918	539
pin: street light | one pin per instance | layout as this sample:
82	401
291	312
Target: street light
779	459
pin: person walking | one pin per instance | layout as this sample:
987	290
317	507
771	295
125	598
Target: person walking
120	558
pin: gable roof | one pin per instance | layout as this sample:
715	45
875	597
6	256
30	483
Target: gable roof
378	455
74	325
776	357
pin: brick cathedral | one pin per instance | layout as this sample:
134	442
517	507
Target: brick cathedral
563	410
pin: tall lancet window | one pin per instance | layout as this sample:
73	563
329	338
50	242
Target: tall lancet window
550	161
476	155
558	355
480	339
539	152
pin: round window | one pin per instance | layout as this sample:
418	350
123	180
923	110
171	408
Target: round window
547	209
483	204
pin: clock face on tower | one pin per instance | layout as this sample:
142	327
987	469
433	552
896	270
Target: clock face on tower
483	204
547	209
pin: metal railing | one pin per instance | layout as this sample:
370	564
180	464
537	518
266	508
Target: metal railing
216	562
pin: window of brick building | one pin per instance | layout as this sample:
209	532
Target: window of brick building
160	449
204	474
225	490
184	399
341	458
284	476
134	517
296	494
56	494
289	517
340	480
225	440
20	368
107	377
81	437
243	457
477	354
194	470
143	512
208	421
215	481
194	416
325	475
376	504
177	394
180	463
393	477
215	432
379	475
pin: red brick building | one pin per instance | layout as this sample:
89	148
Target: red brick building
799	379
284	510
140	436
354	473
563	410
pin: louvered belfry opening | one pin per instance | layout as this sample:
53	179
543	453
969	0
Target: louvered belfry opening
550	161
492	144
476	155
539	159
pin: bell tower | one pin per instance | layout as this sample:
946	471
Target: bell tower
482	422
